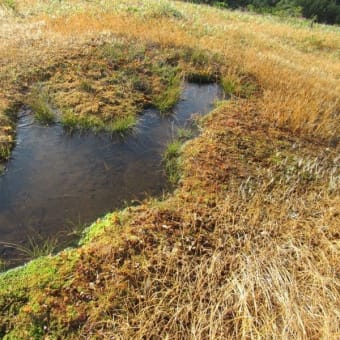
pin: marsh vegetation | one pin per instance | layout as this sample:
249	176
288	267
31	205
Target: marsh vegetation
72	176
247	246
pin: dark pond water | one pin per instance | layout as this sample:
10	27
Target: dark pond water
55	181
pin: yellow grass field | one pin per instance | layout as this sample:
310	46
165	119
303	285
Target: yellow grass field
248	244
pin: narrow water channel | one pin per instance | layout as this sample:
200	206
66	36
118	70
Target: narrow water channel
55	182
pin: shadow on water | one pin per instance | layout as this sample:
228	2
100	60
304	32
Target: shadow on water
56	181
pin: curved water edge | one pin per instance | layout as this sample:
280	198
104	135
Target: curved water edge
55	182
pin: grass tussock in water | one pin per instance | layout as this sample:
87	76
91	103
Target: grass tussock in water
122	125
165	101
39	102
5	151
248	244
34	248
171	160
7	129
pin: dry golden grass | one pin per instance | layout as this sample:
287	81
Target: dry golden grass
248	245
255	251
298	67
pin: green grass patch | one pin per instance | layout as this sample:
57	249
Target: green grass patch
10	4
122	125
170	96
91	122
5	151
170	77
220	103
162	9
97	228
39	102
72	122
86	87
238	87
229	86
171	160
184	134
140	84
198	57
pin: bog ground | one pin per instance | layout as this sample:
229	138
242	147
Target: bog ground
247	245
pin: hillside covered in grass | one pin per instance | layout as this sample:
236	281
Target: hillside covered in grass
247	245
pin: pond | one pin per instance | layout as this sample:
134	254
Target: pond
56	182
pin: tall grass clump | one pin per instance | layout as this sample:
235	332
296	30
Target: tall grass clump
229	86
86	86
72	122
5	150
171	161
34	247
2	169
183	134
39	102
122	125
170	96
162	9
69	121
237	86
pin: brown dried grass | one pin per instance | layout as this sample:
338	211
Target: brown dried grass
248	246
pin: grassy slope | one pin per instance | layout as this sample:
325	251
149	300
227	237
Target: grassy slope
248	245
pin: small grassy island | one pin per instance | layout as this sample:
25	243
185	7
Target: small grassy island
247	245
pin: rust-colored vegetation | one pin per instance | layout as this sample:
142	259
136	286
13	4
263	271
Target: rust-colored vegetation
248	244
